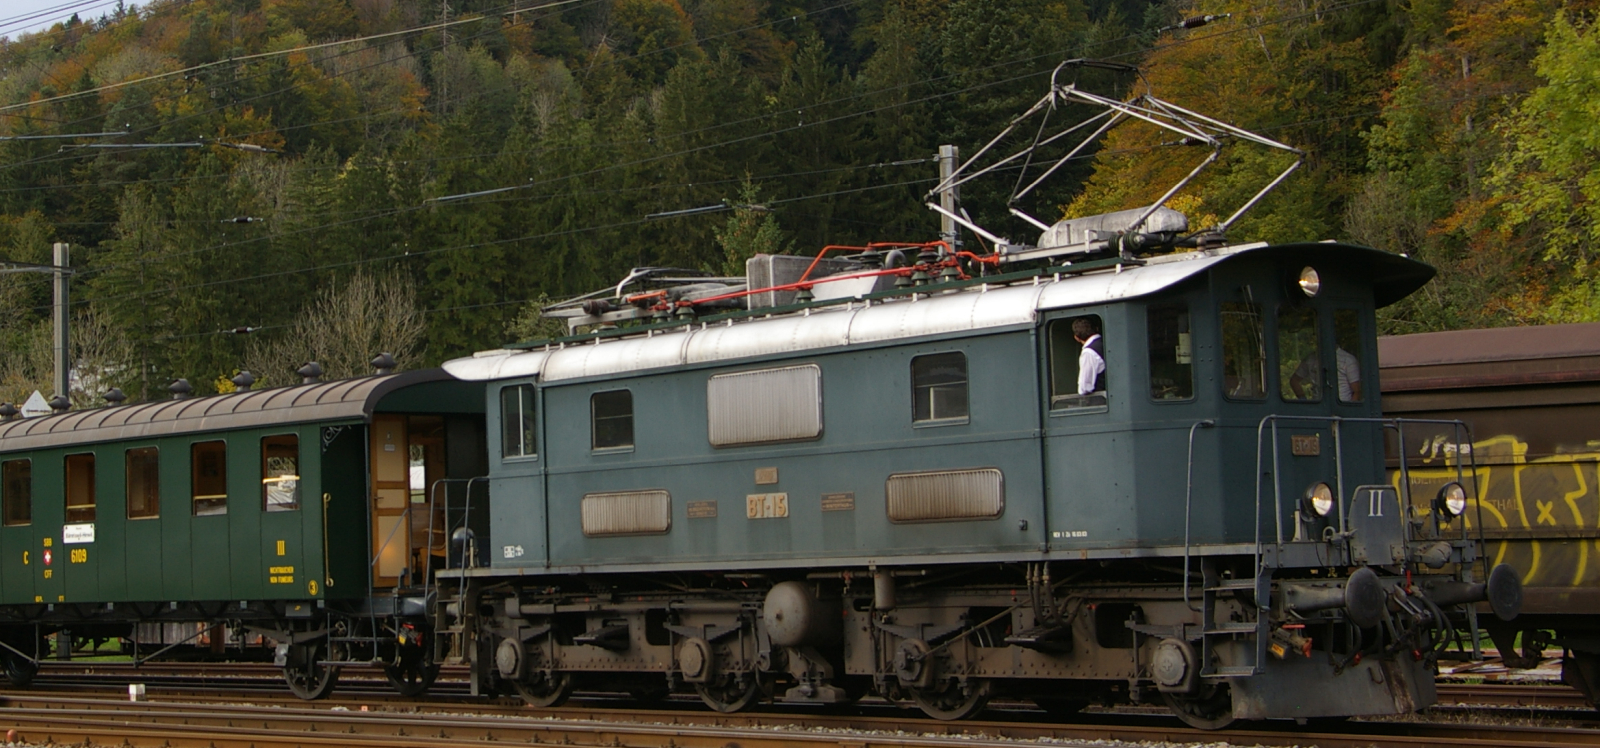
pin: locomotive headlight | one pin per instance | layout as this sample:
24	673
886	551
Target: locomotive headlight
1319	499
1310	282
1452	500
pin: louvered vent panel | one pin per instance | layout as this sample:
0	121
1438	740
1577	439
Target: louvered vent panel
627	513
770	405
946	495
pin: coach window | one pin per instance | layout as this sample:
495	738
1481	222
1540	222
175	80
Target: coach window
1347	354
1243	351
144	482
80	488
208	478
1299	355
939	388
16	492
612	418
517	438
1067	338
1171	352
280	473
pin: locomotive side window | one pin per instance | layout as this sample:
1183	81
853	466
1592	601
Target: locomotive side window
144	481
939	387
1299	355
16	492
1171	352
517	435
80	488
1243	351
764	406
611	414
1069	388
280	473
208	478
1347	353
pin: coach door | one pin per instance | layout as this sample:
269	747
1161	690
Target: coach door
391	488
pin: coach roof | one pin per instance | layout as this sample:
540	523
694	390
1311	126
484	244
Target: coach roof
342	400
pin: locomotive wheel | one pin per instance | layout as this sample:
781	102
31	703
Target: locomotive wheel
1210	708
1060	708
951	702
19	670
307	677
548	691
411	677
729	694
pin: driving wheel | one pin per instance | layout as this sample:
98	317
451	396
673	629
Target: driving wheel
1209	708
730	693
305	672
546	690
953	700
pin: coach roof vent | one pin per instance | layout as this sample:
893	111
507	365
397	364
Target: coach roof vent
8	411
311	373
383	364
243	381
180	389
60	403
115	396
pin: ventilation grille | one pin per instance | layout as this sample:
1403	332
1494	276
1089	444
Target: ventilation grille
627	513
770	405
946	495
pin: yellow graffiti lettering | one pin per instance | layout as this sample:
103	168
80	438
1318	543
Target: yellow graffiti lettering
1545	509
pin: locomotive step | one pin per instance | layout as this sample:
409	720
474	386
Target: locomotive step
1231	671
1232	627
1233	584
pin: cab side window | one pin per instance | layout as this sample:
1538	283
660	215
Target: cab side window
518	437
1077	363
1171	352
280	473
1300	375
1347	354
80	488
939	387
612	419
16	493
208	478
1244	367
144	482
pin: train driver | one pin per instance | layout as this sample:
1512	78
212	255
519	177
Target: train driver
1092	359
1308	374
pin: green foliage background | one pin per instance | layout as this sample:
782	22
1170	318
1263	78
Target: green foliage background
1459	131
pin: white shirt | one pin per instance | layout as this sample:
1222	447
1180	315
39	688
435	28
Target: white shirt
1346	367
1090	366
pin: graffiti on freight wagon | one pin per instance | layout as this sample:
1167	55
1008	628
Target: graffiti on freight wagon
1541	515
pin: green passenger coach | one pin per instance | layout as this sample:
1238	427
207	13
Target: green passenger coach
282	512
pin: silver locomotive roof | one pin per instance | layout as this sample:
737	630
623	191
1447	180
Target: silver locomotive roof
972	308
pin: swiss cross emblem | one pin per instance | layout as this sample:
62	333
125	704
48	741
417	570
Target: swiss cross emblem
47	557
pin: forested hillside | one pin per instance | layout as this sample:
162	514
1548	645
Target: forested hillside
433	169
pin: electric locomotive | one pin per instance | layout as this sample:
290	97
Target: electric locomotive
888	471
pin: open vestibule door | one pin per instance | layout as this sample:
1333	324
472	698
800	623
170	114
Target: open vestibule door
407	523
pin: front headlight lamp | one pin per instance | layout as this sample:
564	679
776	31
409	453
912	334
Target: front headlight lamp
1319	499
1309	281
1451	501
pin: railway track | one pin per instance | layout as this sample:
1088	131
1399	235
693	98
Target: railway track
200	704
89	721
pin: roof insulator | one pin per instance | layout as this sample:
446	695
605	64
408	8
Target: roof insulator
311	373
60	403
243	380
115	396
384	364
180	389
